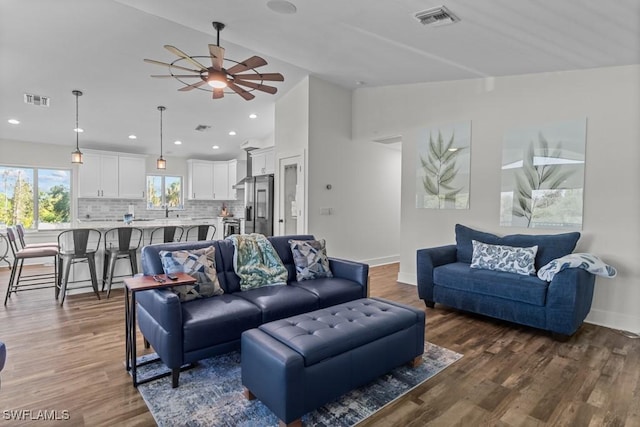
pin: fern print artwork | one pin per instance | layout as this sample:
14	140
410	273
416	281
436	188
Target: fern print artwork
543	176
442	174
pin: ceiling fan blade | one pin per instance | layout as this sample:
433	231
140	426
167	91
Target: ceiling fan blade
190	87
243	93
264	88
153	61
218	93
274	77
217	56
253	62
180	76
183	55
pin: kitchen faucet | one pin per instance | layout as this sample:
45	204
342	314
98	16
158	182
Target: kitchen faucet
166	210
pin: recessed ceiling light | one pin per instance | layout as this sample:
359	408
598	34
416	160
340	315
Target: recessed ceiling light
232	133
253	116
453	149
79	130
282	6
178	142
215	147
133	137
14	121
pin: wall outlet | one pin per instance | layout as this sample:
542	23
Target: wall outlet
326	211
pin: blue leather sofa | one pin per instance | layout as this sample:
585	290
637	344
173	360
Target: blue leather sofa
184	332
444	276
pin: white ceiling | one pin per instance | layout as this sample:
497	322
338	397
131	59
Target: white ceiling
52	47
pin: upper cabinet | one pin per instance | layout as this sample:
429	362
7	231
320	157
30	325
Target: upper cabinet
98	175
209	180
200	179
131	177
110	175
262	161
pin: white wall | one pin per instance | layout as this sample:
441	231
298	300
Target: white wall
315	118
608	97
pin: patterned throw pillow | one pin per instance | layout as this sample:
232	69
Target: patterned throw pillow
201	264
504	258
310	258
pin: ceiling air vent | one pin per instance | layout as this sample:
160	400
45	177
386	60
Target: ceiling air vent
202	128
43	101
436	16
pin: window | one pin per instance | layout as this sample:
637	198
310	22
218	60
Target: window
164	190
34	197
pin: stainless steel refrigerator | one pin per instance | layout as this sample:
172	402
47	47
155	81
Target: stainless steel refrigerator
258	202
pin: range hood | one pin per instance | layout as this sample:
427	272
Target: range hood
240	184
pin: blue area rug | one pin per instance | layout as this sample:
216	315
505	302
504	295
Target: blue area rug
211	394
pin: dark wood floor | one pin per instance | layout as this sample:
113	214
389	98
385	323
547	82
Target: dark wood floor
71	359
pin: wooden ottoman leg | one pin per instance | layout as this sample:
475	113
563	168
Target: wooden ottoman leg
417	361
294	423
247	394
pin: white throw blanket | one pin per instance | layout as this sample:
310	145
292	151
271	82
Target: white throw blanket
588	262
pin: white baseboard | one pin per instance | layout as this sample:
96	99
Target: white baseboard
612	320
408	278
375	262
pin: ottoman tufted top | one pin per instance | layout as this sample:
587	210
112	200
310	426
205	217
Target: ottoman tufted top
321	334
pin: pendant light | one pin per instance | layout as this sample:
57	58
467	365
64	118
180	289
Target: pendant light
76	156
161	163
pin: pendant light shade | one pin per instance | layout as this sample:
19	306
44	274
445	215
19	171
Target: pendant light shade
76	156
161	163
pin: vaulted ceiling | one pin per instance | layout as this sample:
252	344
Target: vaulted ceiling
50	48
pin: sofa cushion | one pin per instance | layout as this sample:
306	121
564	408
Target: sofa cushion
212	321
509	286
331	291
504	258
550	246
310	258
199	263
280	301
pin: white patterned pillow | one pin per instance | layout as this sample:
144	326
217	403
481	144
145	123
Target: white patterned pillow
310	258
588	262
200	264
504	258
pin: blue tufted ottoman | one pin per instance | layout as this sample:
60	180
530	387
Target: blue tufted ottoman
298	364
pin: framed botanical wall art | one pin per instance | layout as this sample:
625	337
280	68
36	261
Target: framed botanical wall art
543	175
443	166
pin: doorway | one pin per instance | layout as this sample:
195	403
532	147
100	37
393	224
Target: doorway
291	212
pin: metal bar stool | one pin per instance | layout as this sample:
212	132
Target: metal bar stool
166	234
4	249
20	232
120	243
200	232
32	281
78	245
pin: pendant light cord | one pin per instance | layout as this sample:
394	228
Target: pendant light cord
77	94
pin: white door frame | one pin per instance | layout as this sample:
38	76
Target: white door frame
286	159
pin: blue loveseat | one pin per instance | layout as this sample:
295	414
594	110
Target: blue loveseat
445	276
185	332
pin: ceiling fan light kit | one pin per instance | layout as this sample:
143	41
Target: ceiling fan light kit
216	76
76	156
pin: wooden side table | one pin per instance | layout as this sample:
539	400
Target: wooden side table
133	285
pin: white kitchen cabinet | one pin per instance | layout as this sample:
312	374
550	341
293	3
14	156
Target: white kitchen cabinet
131	177
200	177
220	181
262	161
98	175
237	171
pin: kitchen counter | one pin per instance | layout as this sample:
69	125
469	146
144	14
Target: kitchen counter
144	223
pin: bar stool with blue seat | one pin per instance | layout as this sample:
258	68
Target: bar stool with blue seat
200	232
18	281
75	246
166	234
120	243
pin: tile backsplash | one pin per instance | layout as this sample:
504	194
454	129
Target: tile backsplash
114	209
